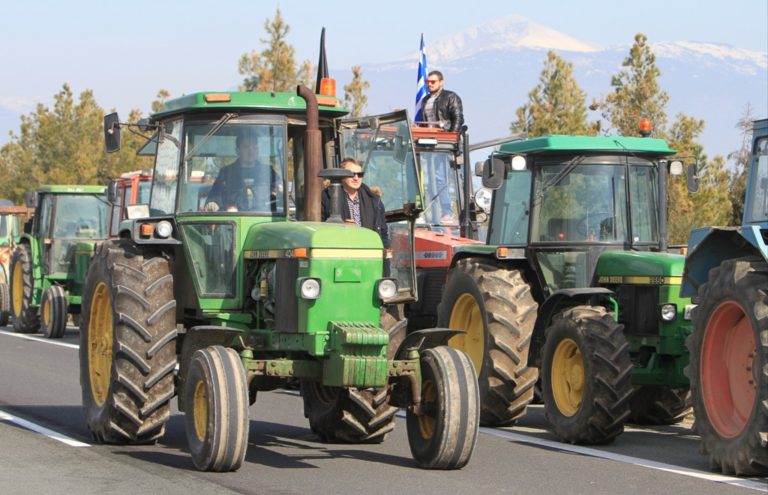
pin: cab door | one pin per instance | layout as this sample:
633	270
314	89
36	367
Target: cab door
383	146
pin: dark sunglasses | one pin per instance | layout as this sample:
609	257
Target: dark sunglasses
358	174
433	81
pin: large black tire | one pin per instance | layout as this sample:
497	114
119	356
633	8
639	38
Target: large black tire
657	405
216	395
729	367
127	344
53	312
25	318
495	307
348	415
586	376
444	432
5	304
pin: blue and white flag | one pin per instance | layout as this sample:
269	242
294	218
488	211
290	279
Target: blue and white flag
421	81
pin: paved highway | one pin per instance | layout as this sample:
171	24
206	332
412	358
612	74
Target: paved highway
46	448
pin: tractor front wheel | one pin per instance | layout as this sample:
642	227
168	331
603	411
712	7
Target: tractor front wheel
586	376
442	435
729	366
495	307
53	312
25	318
216	395
348	415
127	344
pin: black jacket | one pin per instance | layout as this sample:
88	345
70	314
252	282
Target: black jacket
449	110
371	211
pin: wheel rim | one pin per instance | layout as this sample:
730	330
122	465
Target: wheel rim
18	288
728	386
100	343
200	410
567	377
466	315
47	312
427	420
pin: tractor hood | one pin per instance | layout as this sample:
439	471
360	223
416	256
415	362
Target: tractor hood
636	264
289	235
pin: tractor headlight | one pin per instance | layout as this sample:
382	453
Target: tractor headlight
164	229
386	288
309	288
668	312
688	311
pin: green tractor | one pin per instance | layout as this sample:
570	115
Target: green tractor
49	262
214	305
575	266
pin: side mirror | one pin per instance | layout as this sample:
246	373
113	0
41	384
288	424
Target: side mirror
493	173
30	199
112	192
692	177
112	132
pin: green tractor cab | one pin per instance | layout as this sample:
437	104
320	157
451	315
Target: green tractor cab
220	288
576	266
48	265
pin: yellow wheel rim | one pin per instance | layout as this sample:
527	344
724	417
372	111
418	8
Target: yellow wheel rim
567	377
427	422
100	343
200	410
47	313
18	289
466	315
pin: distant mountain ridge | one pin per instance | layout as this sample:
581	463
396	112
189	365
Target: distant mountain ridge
495	65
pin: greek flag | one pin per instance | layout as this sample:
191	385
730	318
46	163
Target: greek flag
421	81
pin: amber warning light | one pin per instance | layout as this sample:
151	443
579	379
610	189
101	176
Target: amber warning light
645	127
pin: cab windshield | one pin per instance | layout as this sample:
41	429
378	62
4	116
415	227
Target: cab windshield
238	166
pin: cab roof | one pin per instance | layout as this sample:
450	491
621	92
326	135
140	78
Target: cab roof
565	143
237	100
80	189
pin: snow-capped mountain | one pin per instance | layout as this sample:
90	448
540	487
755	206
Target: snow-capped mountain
495	65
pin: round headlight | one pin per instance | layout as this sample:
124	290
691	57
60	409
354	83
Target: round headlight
387	288
164	229
668	312
310	288
255	293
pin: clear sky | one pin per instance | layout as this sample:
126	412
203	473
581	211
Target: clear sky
126	51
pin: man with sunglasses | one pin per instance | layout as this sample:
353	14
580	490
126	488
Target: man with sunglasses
360	205
442	107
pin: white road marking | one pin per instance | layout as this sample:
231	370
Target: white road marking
671	468
26	336
4	416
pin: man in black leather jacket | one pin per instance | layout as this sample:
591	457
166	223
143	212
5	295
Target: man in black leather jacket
441	105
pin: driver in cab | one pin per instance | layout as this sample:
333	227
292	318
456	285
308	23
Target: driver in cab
245	184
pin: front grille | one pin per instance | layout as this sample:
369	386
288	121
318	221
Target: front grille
638	309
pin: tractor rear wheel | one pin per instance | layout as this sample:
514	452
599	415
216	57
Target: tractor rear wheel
25	318
657	405
729	366
5	304
495	307
53	312
127	344
216	395
348	415
444	432
586	376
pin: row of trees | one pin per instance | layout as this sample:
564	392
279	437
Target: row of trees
557	105
64	144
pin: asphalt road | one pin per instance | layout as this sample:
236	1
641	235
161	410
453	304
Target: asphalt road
46	448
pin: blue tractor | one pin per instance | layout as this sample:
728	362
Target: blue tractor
726	272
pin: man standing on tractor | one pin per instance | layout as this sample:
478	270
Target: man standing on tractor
442	106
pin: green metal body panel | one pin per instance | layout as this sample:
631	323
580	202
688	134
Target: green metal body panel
660	358
611	144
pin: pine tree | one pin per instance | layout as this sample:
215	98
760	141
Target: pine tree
354	92
637	93
274	68
556	105
738	178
